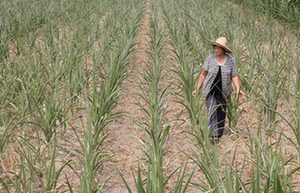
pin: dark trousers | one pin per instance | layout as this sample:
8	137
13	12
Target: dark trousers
216	106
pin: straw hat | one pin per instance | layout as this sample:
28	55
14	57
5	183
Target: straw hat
221	42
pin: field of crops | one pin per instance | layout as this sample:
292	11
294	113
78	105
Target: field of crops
96	96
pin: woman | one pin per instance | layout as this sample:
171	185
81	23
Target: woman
218	73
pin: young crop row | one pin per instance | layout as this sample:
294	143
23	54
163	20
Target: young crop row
77	58
151	176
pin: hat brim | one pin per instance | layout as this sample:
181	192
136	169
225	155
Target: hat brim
217	44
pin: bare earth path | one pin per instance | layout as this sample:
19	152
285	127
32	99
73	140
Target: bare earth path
124	134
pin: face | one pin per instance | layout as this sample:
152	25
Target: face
219	51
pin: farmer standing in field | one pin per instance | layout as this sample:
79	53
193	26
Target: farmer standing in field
218	73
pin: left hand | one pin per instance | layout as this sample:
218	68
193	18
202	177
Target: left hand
240	96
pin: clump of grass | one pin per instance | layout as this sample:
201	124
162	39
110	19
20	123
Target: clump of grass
34	173
38	145
185	57
157	133
286	11
101	105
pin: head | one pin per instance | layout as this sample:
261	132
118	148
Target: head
219	51
220	46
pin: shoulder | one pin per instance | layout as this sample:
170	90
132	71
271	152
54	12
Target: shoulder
210	58
208	62
231	59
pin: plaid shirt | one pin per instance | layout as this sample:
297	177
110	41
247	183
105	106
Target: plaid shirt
228	70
